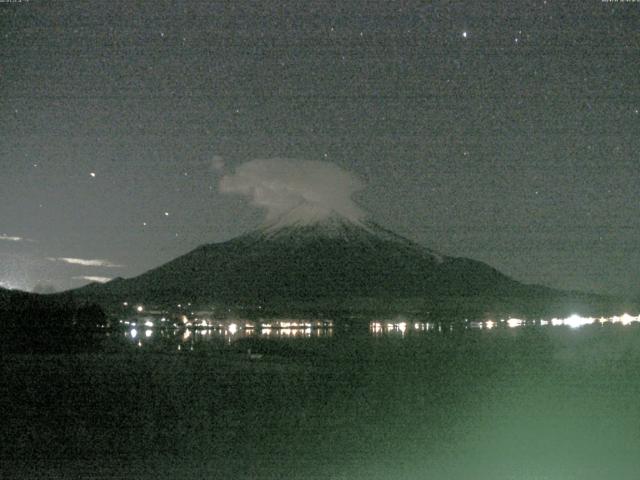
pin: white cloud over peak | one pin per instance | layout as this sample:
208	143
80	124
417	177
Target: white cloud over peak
281	185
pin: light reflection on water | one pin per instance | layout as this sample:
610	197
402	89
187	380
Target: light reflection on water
400	328
226	332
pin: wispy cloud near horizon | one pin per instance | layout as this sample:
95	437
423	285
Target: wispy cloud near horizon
85	262
92	278
11	238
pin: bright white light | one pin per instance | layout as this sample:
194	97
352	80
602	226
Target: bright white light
626	319
464	34
233	328
140	309
514	322
148	323
148	333
490	324
402	326
134	333
575	321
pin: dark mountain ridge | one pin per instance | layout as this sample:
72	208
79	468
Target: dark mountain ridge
300	260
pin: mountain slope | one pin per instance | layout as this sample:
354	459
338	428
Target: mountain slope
306	257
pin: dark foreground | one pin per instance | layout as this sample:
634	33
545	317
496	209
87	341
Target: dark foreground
523	404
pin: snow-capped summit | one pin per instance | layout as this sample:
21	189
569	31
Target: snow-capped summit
309	223
312	219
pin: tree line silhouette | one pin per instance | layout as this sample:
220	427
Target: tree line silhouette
32	323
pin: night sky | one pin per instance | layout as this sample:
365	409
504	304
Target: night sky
508	132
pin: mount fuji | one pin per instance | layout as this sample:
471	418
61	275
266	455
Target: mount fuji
310	254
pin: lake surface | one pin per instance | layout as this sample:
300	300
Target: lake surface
387	399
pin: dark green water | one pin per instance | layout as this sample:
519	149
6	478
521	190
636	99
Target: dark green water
524	403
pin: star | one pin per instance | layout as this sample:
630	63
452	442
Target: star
93	174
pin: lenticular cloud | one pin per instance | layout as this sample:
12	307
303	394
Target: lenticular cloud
281	185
